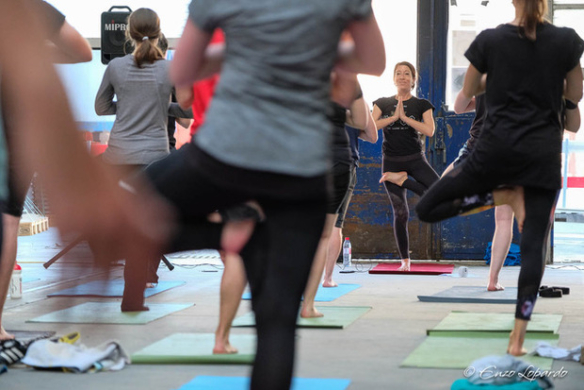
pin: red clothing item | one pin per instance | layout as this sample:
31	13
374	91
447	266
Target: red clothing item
203	91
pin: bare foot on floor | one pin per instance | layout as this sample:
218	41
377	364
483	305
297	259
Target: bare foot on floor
396	178
224	348
4	335
517	351
517	338
151	285
310	313
329	283
405	265
495	287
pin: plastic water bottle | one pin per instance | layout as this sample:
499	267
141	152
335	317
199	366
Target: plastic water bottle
16	282
347	253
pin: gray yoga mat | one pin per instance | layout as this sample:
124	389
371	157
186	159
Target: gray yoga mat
472	294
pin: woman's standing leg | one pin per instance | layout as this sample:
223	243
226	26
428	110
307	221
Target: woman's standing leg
278	259
501	243
401	215
539	210
308	309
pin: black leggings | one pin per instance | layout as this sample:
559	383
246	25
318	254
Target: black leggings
417	168
461	191
278	256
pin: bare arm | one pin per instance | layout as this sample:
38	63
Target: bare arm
360	118
474	84
194	58
471	106
572	120
426	127
380	122
367	53
69	47
573	90
184	122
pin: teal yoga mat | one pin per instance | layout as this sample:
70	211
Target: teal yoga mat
464	384
242	383
460	321
337	317
472	294
196	348
325	294
110	313
452	351
110	288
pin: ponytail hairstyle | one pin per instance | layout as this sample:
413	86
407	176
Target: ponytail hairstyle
143	29
534	12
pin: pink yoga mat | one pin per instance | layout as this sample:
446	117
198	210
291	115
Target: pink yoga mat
415	269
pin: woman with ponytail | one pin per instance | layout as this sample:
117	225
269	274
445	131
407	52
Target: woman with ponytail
141	83
523	67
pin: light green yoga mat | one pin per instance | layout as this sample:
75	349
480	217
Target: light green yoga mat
196	348
337	317
439	351
460	321
110	313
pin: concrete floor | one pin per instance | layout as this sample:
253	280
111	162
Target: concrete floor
368	352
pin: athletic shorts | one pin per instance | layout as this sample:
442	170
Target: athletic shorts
341	175
347	199
462	154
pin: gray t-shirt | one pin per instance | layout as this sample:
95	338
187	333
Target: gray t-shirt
139	133
269	108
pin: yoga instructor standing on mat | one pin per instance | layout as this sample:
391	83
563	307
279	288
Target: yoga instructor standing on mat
527	62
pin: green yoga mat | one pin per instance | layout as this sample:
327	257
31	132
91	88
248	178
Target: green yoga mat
439	351
110	313
196	348
337	317
460	321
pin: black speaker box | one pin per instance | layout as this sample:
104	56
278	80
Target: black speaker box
113	33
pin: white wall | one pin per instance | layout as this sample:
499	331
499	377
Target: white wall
397	20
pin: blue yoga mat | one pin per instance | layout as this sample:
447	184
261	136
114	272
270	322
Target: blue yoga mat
464	384
325	294
110	288
242	383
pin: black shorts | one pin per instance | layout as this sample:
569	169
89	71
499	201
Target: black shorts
347	199
462	154
17	190
341	175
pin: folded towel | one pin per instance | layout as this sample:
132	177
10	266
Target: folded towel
547	350
77	357
505	370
